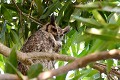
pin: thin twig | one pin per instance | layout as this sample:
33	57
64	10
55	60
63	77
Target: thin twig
26	15
32	18
103	68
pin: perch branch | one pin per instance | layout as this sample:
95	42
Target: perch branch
6	52
24	57
81	62
48	56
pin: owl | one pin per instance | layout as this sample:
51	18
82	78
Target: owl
47	39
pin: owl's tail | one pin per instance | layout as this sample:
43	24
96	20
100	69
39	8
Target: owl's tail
47	65
22	68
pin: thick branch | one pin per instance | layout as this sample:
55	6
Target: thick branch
24	57
49	56
9	77
6	52
81	62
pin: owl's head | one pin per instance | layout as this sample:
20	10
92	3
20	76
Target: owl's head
55	30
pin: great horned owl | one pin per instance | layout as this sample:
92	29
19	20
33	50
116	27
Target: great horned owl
47	39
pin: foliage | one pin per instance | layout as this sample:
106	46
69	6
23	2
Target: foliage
34	70
12	59
94	27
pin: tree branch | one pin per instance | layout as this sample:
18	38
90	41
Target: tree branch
26	15
103	69
81	62
78	63
9	77
25	57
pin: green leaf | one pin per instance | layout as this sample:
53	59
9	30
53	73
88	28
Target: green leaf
84	52
12	59
88	78
16	71
112	18
74	49
88	21
39	6
84	73
81	0
15	38
92	72
70	41
76	75
2	34
97	75
61	12
34	70
61	77
98	17
75	13
103	5
97	46
68	12
2	65
100	78
109	64
10	7
6	13
51	9
105	34
1	58
81	38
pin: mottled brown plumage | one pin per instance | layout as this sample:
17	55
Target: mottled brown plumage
46	39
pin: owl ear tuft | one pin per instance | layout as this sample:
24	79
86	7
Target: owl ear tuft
52	19
66	29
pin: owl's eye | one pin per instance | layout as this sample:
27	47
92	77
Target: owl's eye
61	35
54	30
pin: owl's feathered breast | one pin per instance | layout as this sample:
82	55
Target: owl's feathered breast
40	41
